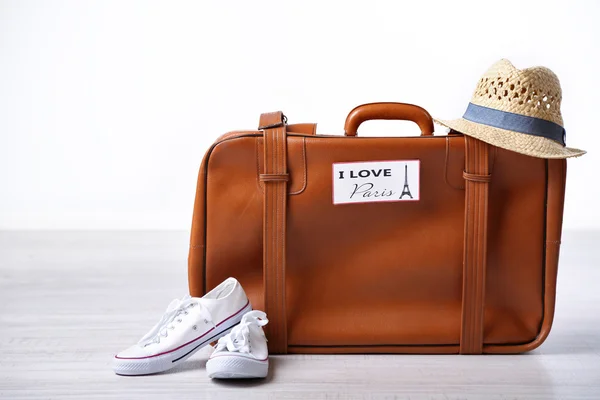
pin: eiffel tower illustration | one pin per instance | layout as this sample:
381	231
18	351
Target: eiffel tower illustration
405	189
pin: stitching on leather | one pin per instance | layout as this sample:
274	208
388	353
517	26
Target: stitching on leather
277	264
477	178
273	177
304	182
446	162
471	339
304	172
275	197
258	183
269	242
283	244
281	250
281	236
275	191
280	198
464	335
196	246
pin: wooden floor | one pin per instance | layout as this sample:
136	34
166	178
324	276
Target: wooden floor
70	300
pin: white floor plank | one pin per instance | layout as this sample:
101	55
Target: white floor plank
70	300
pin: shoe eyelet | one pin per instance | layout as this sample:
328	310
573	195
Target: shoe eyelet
185	313
195	327
206	321
192	305
179	319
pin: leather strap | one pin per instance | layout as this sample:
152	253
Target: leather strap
275	177
477	177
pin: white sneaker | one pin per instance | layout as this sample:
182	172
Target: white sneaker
243	352
188	325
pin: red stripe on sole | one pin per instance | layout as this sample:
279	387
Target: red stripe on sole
191	341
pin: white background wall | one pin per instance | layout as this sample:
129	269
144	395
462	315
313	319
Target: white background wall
107	107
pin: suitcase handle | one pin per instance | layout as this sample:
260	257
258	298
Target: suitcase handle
399	111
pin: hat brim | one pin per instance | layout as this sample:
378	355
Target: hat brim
534	146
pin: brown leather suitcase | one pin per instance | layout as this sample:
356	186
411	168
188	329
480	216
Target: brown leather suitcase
430	244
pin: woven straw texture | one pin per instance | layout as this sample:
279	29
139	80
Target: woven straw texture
534	92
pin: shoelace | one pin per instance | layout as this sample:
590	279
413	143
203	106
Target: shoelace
176	308
239	337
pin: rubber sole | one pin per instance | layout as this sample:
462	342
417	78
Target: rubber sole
167	361
236	367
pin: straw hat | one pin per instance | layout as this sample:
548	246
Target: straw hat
517	110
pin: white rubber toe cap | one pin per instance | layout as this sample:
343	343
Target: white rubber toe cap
236	366
135	351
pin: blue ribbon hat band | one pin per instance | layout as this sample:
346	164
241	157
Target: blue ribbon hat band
515	122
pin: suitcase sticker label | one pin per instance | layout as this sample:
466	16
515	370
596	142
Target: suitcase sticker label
376	181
